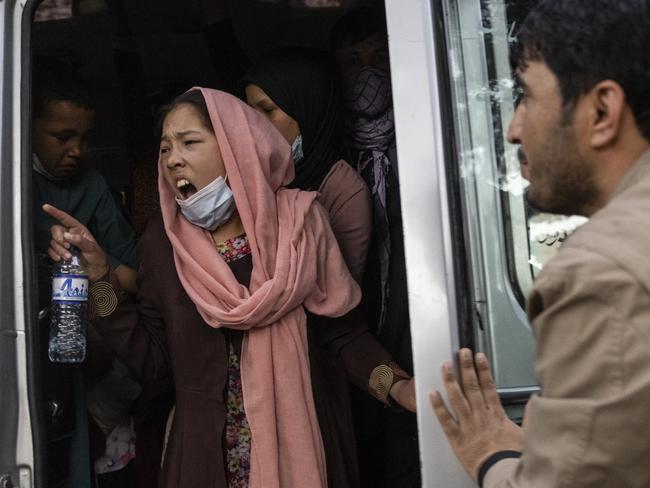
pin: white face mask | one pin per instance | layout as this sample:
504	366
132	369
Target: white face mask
296	150
210	207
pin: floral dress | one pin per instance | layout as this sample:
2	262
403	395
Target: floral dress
238	432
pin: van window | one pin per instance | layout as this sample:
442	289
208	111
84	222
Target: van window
508	241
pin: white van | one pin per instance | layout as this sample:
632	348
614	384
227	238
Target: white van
473	248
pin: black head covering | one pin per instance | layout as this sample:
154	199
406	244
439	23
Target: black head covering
303	83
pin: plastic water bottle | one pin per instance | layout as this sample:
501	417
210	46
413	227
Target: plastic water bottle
69	312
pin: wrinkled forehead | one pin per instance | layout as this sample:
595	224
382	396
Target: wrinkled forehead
183	119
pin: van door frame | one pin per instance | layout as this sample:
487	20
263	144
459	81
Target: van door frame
20	431
418	105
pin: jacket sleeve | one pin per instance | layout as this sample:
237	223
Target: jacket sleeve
349	341
352	226
590	319
135	330
348	202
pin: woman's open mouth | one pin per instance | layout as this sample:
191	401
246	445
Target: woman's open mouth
185	188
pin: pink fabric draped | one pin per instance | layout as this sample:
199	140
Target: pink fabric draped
297	265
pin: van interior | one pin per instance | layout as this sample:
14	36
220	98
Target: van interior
137	56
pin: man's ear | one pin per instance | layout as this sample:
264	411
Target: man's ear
607	114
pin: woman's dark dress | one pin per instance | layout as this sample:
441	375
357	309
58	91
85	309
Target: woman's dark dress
164	339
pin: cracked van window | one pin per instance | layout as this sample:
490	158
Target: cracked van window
528	237
506	241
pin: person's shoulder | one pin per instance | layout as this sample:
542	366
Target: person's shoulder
574	263
341	184
579	283
603	260
91	179
618	236
344	177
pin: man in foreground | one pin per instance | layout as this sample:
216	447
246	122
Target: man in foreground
583	125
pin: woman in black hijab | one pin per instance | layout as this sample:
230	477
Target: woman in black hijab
297	89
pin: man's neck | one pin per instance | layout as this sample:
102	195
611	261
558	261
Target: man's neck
613	166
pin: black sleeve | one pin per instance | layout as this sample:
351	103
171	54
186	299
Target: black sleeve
349	339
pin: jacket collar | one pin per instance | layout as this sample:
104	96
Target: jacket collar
637	172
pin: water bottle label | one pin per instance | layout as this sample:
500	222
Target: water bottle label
70	288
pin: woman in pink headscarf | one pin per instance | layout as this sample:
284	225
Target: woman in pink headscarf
238	278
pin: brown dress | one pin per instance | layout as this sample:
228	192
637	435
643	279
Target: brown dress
164	339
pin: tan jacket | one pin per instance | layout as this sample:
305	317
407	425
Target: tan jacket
590	312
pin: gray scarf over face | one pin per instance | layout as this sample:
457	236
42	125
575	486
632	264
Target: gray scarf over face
371	132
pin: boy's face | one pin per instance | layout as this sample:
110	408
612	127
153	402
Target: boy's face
372	51
59	137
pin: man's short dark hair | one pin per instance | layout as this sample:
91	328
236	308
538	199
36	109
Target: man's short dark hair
584	42
356	25
54	79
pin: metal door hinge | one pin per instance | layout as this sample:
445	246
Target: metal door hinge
24	476
5	481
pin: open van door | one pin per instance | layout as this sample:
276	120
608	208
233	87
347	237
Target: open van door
473	246
418	103
17	415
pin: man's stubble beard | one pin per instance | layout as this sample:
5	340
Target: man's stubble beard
570	187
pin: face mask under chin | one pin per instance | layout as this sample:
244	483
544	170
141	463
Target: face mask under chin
210	207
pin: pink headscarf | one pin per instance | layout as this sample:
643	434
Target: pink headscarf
296	265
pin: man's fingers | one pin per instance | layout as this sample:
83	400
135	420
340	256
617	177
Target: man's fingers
53	256
88	236
66	219
487	382
469	380
446	420
456	397
84	244
59	250
57	232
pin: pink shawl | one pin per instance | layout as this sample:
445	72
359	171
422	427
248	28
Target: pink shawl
296	265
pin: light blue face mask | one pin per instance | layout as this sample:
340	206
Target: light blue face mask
210	207
296	150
